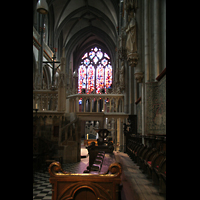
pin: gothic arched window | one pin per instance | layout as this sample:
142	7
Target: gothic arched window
95	72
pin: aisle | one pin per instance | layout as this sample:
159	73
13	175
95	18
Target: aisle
136	186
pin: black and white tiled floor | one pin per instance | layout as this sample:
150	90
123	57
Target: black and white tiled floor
42	187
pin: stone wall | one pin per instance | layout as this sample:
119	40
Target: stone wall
155	107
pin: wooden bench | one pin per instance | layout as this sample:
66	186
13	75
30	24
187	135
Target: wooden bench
139	154
105	186
143	156
97	164
148	159
153	166
162	177
136	151
130	146
151	157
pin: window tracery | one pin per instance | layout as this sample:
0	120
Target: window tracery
95	72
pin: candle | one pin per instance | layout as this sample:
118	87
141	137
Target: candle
87	136
36	106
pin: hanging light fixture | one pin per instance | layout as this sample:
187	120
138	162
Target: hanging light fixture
42	7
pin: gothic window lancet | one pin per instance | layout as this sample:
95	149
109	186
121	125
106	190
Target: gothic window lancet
95	72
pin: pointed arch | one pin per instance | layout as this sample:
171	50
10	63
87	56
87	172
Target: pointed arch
95	71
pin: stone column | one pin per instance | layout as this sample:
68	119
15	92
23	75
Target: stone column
40	53
84	104
163	33
156	37
62	85
146	40
77	104
90	99
97	105
103	99
143	111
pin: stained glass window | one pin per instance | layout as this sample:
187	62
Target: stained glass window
95	64
81	78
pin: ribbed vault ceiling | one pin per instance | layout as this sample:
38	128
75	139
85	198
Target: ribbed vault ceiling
83	23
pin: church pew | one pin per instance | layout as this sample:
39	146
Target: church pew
130	146
152	168
139	155
95	161
162	177
133	147
134	151
143	156
137	152
97	164
148	159
96	186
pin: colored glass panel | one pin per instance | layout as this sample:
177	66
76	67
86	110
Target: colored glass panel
99	78
99	55
104	62
81	78
90	78
106	55
86	61
91	54
95	60
108	76
85	55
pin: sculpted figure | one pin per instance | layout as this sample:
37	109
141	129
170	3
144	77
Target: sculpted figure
131	45
121	76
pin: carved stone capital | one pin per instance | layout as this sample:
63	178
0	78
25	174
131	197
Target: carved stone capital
139	76
132	59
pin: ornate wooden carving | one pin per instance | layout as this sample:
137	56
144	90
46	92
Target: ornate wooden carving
67	185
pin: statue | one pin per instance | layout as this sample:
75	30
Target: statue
121	76
131	44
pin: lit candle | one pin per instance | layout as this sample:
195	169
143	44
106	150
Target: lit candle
87	136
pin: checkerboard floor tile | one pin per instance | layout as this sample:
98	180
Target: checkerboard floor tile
42	187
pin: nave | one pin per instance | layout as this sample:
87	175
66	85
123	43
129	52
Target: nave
135	184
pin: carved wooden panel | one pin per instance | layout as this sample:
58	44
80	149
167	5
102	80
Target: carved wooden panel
67	186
